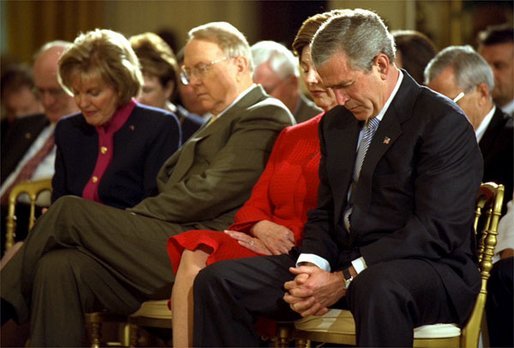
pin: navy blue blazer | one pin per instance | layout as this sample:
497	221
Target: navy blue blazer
415	196
141	146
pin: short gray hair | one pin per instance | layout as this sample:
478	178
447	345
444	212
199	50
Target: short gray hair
470	69
359	34
281	60
231	41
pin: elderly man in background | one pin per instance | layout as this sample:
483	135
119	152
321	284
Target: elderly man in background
463	75
496	45
276	69
83	256
28	151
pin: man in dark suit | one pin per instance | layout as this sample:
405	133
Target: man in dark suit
459	70
394	240
29	134
462	74
82	256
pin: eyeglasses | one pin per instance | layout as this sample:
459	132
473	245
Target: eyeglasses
53	92
459	97
198	71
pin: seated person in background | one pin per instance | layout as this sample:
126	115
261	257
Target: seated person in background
413	52
83	256
160	73
271	221
28	151
112	151
392	234
187	100
463	75
17	96
276	69
496	45
500	295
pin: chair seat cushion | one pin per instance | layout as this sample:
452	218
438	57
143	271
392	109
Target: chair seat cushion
437	331
154	309
341	322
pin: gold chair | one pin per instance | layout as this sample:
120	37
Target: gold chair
151	314
38	192
34	190
338	326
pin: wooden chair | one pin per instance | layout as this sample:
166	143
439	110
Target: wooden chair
34	190
338	326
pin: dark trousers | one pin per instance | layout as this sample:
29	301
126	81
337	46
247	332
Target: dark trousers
387	300
82	256
500	304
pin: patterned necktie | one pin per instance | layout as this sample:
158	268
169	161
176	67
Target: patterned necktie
30	166
369	132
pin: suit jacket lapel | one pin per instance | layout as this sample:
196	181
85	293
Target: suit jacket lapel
179	164
388	131
341	131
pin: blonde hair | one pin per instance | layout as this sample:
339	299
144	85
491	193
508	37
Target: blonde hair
105	53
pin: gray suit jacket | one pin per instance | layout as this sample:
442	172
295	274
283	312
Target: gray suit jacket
306	110
211	176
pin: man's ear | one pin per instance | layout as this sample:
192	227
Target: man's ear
485	94
383	64
241	63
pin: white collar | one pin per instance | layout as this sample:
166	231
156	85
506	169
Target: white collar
484	124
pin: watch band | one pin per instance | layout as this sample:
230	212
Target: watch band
346	273
347	278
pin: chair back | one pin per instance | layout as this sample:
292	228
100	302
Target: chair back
33	189
487	217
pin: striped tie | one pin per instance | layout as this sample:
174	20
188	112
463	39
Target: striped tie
369	131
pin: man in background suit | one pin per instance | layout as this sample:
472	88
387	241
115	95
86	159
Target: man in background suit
29	134
276	69
496	45
458	70
17	96
82	256
394	240
463	75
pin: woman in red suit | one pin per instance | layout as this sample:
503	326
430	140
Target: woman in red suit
271	221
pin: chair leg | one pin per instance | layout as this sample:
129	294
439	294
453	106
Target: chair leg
283	336
302	343
133	335
94	321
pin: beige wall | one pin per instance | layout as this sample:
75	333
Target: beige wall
180	16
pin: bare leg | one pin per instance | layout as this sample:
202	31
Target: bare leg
191	262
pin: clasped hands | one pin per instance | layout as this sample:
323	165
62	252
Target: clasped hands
313	290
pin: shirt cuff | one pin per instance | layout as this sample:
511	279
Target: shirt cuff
359	264
315	259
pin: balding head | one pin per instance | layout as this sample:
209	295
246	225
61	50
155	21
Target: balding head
55	101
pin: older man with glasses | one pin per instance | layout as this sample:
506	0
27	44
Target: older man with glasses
460	73
276	69
28	152
82	256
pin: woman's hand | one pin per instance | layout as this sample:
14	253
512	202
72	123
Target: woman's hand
249	242
277	238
